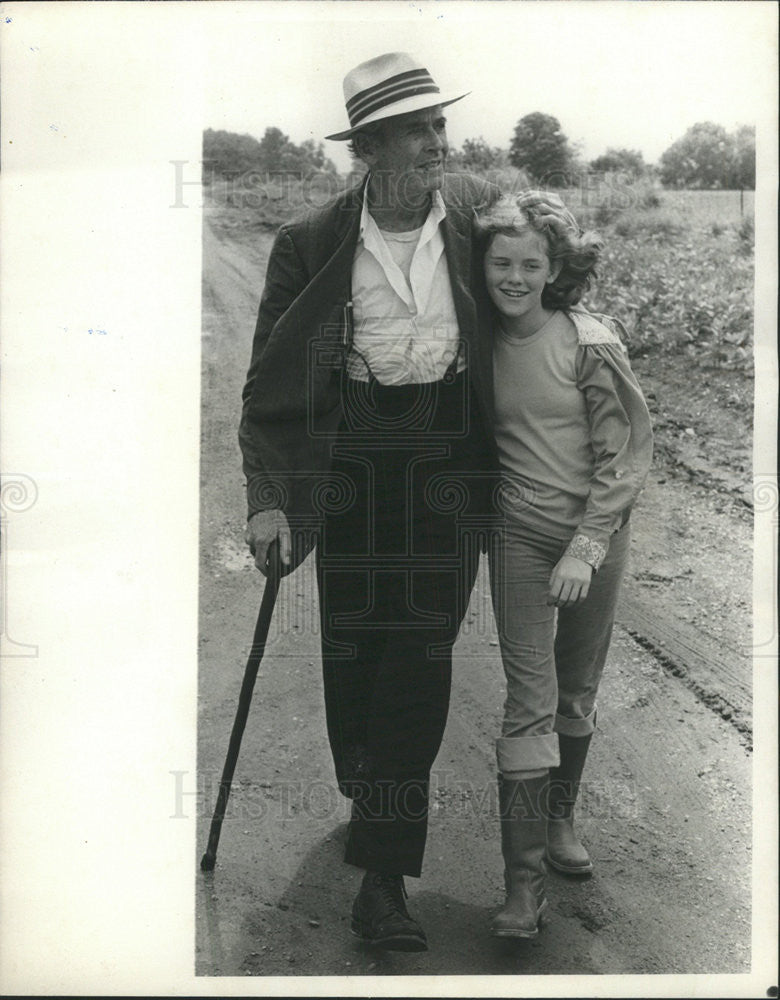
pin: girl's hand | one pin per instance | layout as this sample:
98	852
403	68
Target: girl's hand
569	582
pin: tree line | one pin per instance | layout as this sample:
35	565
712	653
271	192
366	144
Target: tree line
229	155
706	156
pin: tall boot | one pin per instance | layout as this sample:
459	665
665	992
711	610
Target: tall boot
564	851
523	825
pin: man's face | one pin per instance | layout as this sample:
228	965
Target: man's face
413	148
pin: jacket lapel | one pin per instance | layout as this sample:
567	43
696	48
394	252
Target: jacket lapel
317	314
459	246
323	298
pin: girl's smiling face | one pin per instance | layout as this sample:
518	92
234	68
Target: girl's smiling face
517	269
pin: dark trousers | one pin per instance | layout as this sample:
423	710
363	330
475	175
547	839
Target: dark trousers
396	564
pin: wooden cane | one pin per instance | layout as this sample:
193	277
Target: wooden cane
264	616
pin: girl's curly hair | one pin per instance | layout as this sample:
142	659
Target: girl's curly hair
577	252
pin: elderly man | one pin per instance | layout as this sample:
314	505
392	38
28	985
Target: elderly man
365	429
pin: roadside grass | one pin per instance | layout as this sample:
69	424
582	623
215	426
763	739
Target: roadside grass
707	207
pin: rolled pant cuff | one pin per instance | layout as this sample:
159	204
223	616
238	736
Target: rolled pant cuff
576	727
527	753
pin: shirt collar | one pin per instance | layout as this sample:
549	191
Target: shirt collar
435	215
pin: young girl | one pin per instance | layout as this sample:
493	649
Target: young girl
575	444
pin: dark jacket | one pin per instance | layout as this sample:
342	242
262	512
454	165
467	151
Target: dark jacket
292	399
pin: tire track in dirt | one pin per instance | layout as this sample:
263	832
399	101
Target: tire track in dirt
687	596
673	652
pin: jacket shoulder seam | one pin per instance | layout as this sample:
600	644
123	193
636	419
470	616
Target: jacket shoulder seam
591	330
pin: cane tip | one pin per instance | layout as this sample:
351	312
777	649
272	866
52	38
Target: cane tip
207	862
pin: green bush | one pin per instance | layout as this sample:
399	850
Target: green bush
678	289
605	214
746	231
632	223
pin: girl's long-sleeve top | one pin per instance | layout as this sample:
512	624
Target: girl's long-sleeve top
573	431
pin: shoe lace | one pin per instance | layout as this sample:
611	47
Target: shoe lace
392	889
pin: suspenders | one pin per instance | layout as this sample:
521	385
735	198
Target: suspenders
348	341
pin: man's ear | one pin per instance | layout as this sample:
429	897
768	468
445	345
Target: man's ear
366	146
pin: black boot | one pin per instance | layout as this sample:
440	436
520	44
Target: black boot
564	851
523	826
380	917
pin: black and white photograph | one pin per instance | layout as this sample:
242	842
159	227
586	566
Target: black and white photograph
389	498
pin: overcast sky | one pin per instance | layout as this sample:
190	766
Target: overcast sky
614	73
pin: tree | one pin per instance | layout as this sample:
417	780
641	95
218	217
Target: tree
314	154
228	154
624	161
702	158
476	156
279	155
276	151
540	148
744	157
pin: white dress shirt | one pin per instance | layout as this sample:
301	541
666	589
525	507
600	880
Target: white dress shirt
405	326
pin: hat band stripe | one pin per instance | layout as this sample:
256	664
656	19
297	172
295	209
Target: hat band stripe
410	76
367	99
393	98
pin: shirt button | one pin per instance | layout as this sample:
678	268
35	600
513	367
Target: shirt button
619	474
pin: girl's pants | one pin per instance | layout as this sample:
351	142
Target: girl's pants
396	565
552	674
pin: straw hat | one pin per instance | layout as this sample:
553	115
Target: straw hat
392	84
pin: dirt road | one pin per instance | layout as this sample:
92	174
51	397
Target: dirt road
666	807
